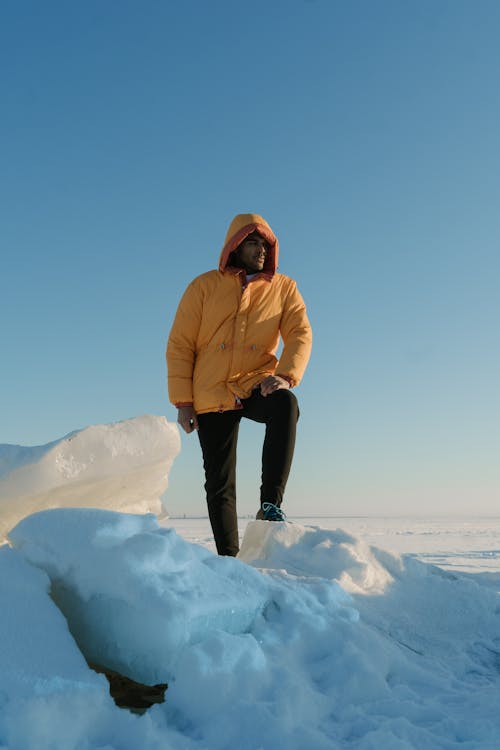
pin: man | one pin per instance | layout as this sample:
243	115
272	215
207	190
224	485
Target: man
222	367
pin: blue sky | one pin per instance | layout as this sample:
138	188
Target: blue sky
367	133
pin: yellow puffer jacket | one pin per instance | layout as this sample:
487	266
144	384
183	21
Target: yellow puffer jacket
226	333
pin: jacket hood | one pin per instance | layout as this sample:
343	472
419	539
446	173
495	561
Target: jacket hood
241	226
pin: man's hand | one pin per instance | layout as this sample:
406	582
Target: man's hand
186	416
273	383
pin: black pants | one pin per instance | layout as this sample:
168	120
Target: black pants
218	435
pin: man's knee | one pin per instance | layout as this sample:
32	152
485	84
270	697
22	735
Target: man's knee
285	402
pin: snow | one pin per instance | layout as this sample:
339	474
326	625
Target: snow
116	576
313	639
311	551
123	465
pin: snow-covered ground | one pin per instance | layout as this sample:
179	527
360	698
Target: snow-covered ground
326	633
469	544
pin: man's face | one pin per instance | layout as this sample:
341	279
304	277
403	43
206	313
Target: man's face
252	253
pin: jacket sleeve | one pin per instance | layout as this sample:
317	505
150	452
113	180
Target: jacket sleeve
296	333
181	346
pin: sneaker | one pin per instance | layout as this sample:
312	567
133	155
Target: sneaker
270	512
